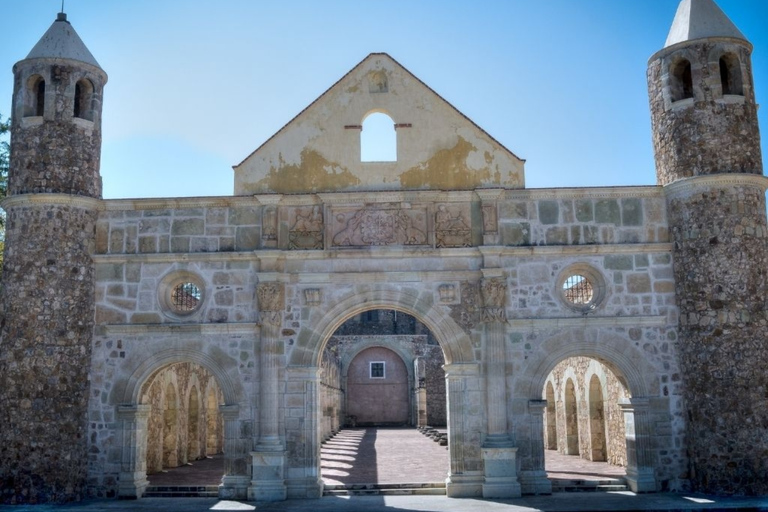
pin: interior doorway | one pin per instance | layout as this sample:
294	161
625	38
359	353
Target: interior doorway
584	426
382	377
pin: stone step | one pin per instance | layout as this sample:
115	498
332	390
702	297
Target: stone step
182	491
417	489
567	485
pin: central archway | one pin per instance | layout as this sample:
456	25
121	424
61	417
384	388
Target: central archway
323	321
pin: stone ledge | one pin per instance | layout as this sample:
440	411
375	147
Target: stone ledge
232	328
591	321
726	180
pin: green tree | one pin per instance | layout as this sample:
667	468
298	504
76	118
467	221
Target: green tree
5	155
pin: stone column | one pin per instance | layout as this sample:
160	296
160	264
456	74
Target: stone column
268	465
234	483
640	457
132	481
499	454
420	392
533	479
465	407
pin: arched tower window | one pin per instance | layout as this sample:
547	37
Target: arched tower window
378	140
681	80
730	75
34	97
83	96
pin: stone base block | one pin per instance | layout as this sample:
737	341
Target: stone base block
464	486
500	472
234	487
641	479
132	486
305	488
534	482
268	480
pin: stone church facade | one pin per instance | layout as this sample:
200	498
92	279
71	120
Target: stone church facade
138	334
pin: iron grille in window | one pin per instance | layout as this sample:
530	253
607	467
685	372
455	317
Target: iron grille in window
185	297
377	370
578	290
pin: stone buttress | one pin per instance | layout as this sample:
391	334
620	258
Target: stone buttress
54	193
707	148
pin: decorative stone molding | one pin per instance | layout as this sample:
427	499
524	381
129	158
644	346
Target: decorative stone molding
48	199
490	219
313	296
269	223
584	193
696	183
494	295
448	294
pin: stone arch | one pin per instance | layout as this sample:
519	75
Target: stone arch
83	98
34	96
311	341
374	405
680	79
731	80
224	369
619	354
378	137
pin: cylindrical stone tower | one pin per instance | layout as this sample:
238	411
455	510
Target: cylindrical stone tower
707	147
47	297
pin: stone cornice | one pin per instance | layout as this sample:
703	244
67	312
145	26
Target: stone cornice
163	203
584	322
389	253
175	257
584	193
692	185
186	329
88	203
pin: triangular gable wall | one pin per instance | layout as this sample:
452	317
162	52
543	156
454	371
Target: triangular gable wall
438	148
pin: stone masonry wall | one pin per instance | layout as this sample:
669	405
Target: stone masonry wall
47	298
720	265
709	133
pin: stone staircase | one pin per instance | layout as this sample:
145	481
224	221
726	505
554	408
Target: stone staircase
431	489
182	491
573	485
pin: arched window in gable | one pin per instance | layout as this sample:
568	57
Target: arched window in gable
83	97
378	139
34	96
730	75
681	80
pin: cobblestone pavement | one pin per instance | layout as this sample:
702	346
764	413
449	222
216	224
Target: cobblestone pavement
383	455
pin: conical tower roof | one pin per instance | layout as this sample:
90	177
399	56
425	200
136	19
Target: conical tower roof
700	19
61	41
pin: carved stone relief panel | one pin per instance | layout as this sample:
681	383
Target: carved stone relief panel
271	296
453	226
306	228
494	294
269	227
490	219
313	296
381	224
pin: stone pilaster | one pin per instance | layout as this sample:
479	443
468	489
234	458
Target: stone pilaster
132	481
303	416
234	483
463	383
640	459
499	453
268	459
533	480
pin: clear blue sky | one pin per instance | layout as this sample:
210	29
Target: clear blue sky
196	85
